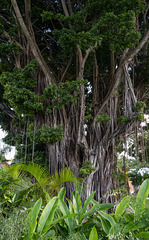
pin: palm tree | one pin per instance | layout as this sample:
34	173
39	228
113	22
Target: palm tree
41	178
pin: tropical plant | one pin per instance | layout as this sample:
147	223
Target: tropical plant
130	220
14	226
23	184
58	218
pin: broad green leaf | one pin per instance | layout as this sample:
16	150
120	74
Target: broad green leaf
129	217
54	222
77	203
141	197
122	205
115	231
93	234
62	193
89	213
87	201
105	225
47	214
28	236
48	198
77	206
102	206
143	235
70	205
48	235
134	226
107	217
64	209
34	214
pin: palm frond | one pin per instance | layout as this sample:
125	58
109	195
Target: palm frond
64	175
14	170
42	175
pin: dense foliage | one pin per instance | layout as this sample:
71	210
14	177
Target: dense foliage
25	212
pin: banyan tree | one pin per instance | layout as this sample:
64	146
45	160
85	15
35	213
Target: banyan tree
73	78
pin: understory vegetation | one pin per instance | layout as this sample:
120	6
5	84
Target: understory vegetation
33	206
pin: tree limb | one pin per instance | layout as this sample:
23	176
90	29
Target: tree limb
126	58
70	7
7	36
131	53
65	8
34	48
7	110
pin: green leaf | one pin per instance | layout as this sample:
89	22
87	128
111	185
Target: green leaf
122	205
91	211
134	226
87	201
77	206
47	214
70	205
107	217
69	222
34	214
105	225
73	215
77	203
143	235
102	206
115	231
62	193
49	234
93	234
141	197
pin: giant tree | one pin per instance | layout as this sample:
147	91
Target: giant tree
74	73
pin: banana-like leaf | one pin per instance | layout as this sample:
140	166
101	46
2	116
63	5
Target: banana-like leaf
134	226
143	235
122	205
77	203
71	224
77	206
70	205
90	212
62	193
107	217
34	214
115	231
54	222
102	206
105	225
87	202
47	215
141	197
93	234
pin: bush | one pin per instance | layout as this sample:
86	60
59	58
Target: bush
14	226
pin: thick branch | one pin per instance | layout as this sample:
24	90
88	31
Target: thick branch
131	53
65	8
34	48
66	69
7	110
7	36
70	7
126	58
130	84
